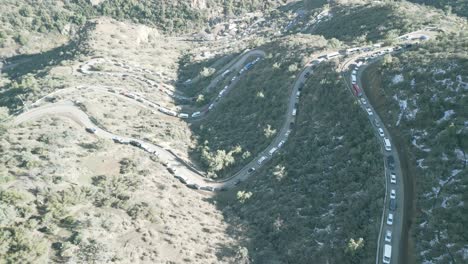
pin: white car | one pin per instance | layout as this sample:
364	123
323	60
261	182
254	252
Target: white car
281	143
388	236
363	101
390	219
196	114
393	178
260	160
393	194
369	111
211	106
381	132
287	133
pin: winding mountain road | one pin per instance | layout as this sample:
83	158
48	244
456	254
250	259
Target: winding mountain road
189	175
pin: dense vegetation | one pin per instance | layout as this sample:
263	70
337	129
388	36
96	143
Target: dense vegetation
459	7
248	118
371	22
426	91
320	198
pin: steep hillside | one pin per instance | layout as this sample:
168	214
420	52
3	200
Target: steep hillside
260	97
323	191
423	95
458	7
376	21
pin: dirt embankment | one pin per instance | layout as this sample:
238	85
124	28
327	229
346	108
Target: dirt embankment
373	88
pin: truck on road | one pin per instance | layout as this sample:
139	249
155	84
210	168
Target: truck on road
388	145
356	90
387	256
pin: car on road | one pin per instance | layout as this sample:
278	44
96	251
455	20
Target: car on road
393	205
363	101
381	132
301	85
390	219
369	111
392	194
388	236
376	123
208	188
118	140
211	106
391	162
281	143
135	143
392	178
182	179
91	130
196	114
234	78
251	170
294	112
287	133
193	186
183	115
260	160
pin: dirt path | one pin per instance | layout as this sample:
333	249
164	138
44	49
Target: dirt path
374	91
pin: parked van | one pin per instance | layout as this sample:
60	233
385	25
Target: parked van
388	146
387	256
272	151
260	160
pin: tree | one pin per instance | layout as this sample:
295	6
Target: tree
243	196
334	43
242	256
269	132
21	39
353	246
207	72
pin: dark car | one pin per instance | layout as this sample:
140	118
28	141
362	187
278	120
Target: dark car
193	186
291	125
181	179
135	143
391	162
392	204
251	170
91	130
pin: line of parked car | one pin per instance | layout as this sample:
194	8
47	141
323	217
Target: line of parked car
387	252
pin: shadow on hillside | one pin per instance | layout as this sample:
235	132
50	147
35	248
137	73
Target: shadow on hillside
20	65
